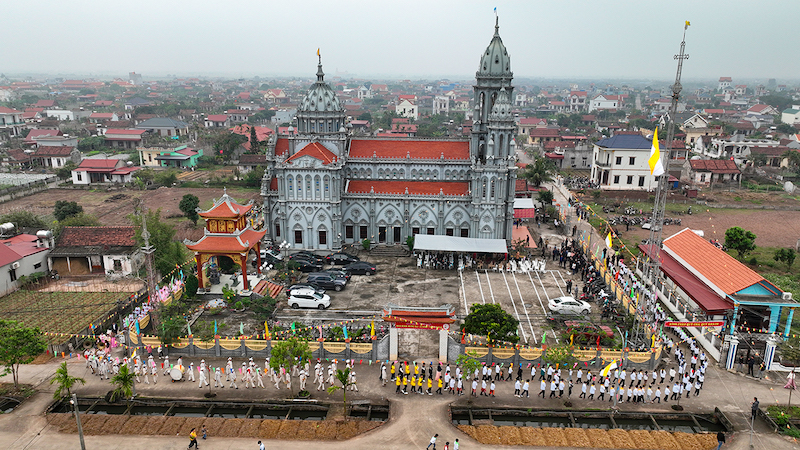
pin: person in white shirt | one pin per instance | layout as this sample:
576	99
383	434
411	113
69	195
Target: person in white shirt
525	389
517	386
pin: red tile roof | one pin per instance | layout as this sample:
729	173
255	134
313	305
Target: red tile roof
52	151
23	244
8	256
413	187
720	270
226	243
226	208
316	151
4	110
42	133
98	165
714	165
415	149
262	133
131	132
217	117
101	115
281	147
46	103
86	236
252	159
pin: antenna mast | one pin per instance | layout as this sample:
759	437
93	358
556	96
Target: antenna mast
148	251
657	221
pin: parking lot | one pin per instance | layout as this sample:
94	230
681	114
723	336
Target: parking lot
399	282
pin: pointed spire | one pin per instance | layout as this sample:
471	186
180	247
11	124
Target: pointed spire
320	73
496	25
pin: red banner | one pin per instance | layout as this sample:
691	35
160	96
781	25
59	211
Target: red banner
422	325
693	324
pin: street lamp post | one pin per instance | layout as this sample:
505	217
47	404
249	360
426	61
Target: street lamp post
76	411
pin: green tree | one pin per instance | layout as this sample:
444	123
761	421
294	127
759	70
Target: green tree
92	143
18	345
167	252
490	320
539	171
785	128
253	177
289	353
786	255
560	355
468	361
793	159
365	116
254	144
24	219
64	380
166	178
225	143
789	350
188	206
343	376
64	209
191	285
741	240
123	383
65	171
545	197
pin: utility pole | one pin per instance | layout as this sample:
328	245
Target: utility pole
75	410
148	250
657	221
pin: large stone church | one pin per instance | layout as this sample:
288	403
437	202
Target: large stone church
323	188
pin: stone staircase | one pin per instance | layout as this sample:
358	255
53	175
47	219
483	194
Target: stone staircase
389	251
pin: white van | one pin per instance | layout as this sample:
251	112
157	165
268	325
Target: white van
308	298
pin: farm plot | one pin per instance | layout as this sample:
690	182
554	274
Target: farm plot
59	312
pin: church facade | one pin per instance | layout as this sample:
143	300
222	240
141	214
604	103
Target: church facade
323	188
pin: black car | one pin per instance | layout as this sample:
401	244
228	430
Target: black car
307	256
361	268
339	273
341	259
312	286
307	266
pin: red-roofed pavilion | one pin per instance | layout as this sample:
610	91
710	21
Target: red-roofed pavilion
227	233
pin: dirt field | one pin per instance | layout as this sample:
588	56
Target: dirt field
113	207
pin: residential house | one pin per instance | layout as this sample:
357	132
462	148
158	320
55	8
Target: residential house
276	96
60	114
22	255
538	136
182	157
238	115
217	121
11	121
262	134
710	172
406	108
110	251
521	99
136	102
735	146
55	157
103	103
789	115
441	104
762	109
526	124
577	100
118	138
91	171
45	104
724	83
31	117
773	156
16	158
97	117
165	126
605	102
249	162
64	140
35	133
620	163
574	154
378	89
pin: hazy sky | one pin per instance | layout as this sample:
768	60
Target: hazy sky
629	39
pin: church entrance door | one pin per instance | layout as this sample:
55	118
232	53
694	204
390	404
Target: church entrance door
382	235
397	232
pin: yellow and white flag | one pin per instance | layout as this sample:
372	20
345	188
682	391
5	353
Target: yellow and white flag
609	242
656	168
608	368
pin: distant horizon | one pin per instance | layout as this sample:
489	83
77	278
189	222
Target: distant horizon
414	39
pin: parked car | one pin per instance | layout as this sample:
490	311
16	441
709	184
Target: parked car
307	266
327	281
307	298
569	305
338	273
313	286
271	256
308	256
361	268
341	259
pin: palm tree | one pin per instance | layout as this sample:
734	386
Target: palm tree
123	382
65	381
344	377
539	171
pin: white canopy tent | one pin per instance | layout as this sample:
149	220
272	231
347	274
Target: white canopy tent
459	244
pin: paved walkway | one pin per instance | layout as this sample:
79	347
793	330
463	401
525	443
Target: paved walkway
414	418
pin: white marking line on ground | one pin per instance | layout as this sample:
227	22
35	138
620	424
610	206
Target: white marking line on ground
548	295
522	302
463	292
480	288
544	310
558	285
491	292
514	304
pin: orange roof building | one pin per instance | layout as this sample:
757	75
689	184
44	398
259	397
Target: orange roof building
324	188
228	232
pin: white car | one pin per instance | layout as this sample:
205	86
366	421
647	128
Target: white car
569	305
308	298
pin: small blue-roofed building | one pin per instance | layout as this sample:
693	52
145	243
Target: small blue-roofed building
620	163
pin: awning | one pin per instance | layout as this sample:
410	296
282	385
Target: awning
523	203
459	244
527	213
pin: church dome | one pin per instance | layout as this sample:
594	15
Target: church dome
320	97
502	107
495	61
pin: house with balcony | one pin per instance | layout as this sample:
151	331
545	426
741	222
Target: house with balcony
118	138
577	100
164	126
11	122
620	163
605	102
182	157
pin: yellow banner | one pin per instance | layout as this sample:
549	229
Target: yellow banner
584	355
230	344
530	353
477	352
503	353
361	348
334	347
205	345
255	344
180	344
639	357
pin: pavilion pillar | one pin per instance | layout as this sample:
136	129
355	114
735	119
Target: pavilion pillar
243	263
443	345
258	258
769	352
199	261
788	323
774	317
733	347
392	343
